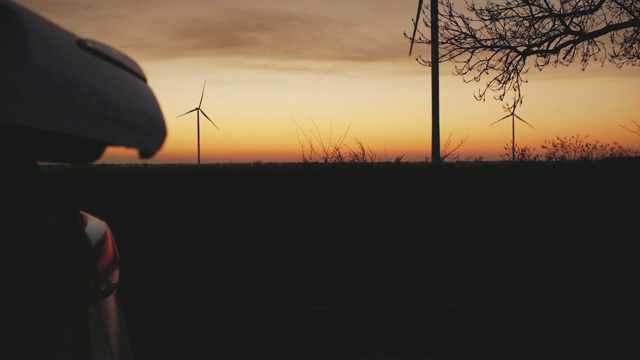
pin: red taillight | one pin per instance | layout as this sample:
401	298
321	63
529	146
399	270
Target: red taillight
105	274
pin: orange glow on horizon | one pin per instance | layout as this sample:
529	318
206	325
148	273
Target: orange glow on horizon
269	81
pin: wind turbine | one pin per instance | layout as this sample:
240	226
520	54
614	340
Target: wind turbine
513	116
435	78
199	110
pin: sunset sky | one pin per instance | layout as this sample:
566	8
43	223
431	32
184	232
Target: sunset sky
274	65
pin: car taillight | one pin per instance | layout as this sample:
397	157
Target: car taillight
105	274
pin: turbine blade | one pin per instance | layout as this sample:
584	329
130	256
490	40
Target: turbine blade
415	27
521	119
190	111
202	96
205	115
502	118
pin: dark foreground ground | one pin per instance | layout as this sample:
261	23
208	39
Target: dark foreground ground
386	261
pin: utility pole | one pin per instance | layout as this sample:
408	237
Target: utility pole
435	78
435	86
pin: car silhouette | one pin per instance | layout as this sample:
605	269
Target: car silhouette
63	99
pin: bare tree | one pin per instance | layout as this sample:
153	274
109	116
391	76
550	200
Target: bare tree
496	40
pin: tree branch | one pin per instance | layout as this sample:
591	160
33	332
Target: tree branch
496	40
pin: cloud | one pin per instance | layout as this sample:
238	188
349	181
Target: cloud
282	30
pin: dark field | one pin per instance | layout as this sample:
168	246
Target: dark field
386	261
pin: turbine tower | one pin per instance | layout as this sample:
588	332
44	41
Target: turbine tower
199	110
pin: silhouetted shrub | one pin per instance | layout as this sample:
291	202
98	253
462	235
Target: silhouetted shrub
576	148
573	148
522	154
